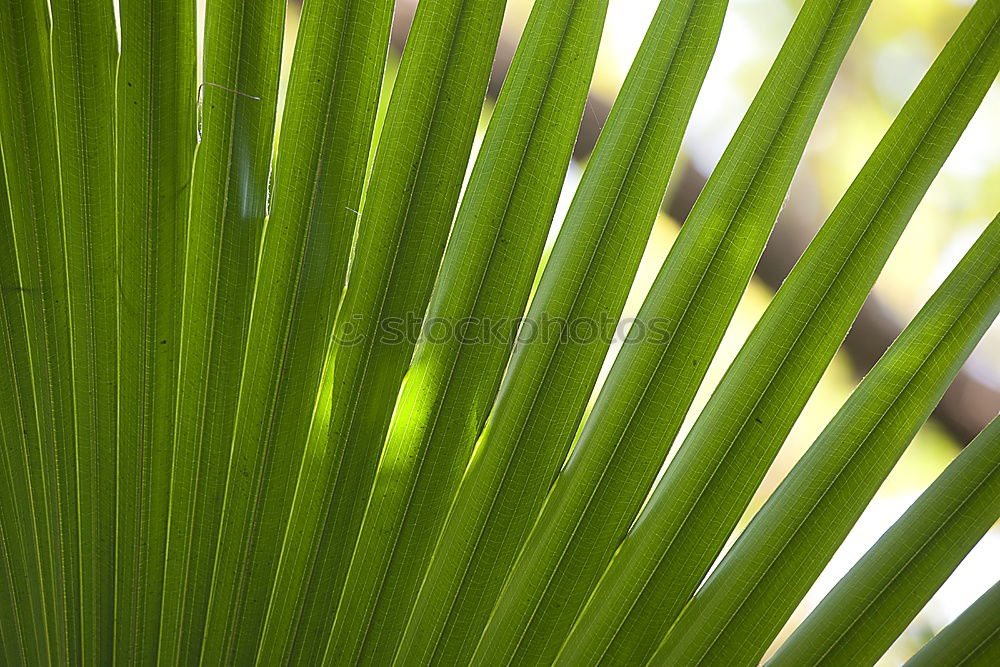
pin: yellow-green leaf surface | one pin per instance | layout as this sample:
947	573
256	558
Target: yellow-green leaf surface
156	136
551	373
710	482
326	134
749	596
407	213
875	601
309	398
23	545
597	494
971	640
84	58
238	97
31	170
487	272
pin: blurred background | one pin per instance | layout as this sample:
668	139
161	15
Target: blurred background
895	46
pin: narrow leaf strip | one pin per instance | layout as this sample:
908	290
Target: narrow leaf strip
323	153
875	601
972	639
554	368
238	98
709	484
678	329
743	605
31	170
156	136
487	272
84	58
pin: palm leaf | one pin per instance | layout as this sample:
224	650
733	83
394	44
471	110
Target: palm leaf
228	198
84	57
867	609
325	414
753	591
24	546
709	484
612	465
487	272
971	639
304	259
586	279
155	138
31	168
409	203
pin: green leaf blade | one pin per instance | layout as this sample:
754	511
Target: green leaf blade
156	136
547	385
972	639
229	190
753	591
482	289
84	58
654	379
706	488
28	140
25	547
407	213
875	601
326	133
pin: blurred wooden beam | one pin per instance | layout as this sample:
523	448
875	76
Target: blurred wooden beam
969	404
